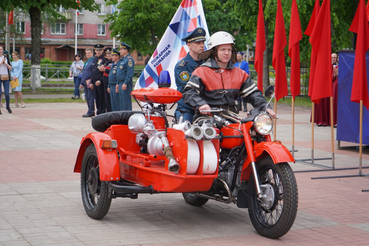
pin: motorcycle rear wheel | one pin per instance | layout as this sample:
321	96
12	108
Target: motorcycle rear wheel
95	193
275	219
194	200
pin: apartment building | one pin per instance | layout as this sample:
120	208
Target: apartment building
58	40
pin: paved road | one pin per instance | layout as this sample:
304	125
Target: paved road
40	201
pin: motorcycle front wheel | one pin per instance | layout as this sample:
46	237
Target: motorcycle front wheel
273	215
95	193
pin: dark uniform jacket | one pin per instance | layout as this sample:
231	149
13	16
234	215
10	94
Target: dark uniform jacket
96	73
182	72
108	64
220	87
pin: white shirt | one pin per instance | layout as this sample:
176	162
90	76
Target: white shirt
3	67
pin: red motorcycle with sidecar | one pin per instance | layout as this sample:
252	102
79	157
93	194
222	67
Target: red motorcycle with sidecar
225	158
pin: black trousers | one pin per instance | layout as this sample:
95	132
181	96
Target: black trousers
99	98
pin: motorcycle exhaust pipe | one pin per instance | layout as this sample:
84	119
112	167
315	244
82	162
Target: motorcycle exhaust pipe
195	132
209	132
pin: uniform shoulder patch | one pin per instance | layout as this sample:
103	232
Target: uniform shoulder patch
182	62
185	76
130	63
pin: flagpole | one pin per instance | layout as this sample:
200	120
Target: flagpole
76	34
361	138
312	131
293	127
275	120
332	133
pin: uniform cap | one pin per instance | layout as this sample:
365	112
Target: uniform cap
196	35
115	52
98	46
124	46
108	50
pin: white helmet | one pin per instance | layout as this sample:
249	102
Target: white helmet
216	39
219	38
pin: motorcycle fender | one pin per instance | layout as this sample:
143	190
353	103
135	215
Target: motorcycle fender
108	158
278	152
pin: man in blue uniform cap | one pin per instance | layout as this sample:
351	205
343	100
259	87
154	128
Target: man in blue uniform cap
96	78
184	68
124	76
113	87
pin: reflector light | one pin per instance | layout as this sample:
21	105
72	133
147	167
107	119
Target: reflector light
109	144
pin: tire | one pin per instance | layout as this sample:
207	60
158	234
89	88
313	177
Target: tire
276	217
194	200
95	193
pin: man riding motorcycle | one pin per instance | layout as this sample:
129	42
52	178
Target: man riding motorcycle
217	83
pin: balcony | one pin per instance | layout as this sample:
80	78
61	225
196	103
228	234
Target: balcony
67	15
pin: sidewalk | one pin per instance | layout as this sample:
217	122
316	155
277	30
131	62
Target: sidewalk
40	200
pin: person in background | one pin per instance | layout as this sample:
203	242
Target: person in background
75	71
105	79
245	67
322	116
113	87
17	73
124	76
184	68
96	78
217	83
5	68
86	83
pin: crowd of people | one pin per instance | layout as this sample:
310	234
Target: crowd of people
11	77
106	79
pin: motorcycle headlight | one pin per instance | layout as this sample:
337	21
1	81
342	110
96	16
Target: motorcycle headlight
263	124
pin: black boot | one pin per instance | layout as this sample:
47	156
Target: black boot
0	112
9	110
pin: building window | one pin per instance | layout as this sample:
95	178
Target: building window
60	9
58	28
101	30
79	29
21	28
101	10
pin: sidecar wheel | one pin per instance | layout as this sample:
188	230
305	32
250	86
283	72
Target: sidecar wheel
273	215
194	200
95	193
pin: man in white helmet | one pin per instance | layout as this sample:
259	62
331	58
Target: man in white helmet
217	83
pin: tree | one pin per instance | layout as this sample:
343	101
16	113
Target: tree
141	23
35	8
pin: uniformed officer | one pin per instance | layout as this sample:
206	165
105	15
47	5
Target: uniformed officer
184	68
124	75
113	87
105	79
96	78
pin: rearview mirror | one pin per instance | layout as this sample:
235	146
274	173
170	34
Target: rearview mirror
269	91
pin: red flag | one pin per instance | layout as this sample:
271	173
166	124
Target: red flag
360	83
308	32
11	18
367	10
260	46
320	40
294	49
279	62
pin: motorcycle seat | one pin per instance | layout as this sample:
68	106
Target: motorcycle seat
102	122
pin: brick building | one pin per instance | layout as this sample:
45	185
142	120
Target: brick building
58	40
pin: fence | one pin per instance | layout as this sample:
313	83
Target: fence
56	77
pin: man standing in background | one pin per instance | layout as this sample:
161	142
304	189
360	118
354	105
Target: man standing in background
245	67
86	84
184	68
96	78
124	75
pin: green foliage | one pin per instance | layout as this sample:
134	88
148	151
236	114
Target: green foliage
141	23
46	61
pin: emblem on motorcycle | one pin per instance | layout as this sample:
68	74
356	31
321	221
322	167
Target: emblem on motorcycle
184	76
